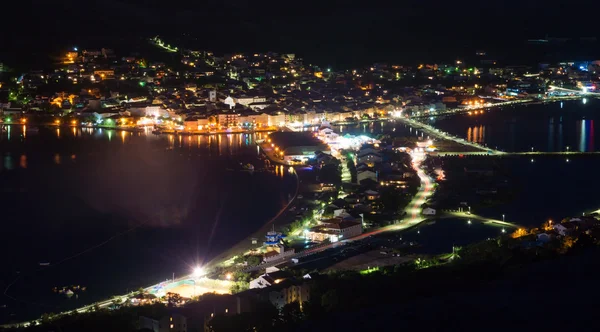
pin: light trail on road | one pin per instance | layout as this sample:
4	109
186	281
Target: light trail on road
413	210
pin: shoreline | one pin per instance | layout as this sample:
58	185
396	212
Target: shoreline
140	130
264	228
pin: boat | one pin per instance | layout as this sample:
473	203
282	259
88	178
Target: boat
44	263
248	167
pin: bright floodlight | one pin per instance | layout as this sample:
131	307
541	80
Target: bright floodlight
198	271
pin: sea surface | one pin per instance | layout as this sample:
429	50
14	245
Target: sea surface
114	210
558	126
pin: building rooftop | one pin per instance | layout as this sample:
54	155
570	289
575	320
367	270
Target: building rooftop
291	139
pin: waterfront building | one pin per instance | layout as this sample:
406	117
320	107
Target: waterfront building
297	147
334	229
276	250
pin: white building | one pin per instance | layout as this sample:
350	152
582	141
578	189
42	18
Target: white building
428	211
334	230
271	277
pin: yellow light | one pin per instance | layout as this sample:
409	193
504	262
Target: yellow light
228	276
23	120
74	122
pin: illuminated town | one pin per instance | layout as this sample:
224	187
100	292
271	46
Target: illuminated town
370	154
266	91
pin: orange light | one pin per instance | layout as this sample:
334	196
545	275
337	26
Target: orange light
23	120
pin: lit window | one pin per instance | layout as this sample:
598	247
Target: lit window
171	326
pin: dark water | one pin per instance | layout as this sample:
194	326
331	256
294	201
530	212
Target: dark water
559	126
549	188
440	236
115	211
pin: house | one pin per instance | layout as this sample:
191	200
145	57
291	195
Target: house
173	323
543	237
271	277
371	195
366	151
334	229
565	228
370	159
191	125
284	292
289	291
145	323
366	175
428	211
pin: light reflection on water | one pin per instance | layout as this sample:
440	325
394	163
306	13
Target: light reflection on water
200	145
583	130
544	127
89	184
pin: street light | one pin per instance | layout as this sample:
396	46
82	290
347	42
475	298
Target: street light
502	218
198	272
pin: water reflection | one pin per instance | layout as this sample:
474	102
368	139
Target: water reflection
546	127
23	161
207	145
8	162
551	134
582	136
591	146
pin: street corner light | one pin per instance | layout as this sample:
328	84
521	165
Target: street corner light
198	272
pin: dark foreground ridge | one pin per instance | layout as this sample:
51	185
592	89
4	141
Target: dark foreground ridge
495	285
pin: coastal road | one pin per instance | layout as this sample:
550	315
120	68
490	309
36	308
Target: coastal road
485	220
413	210
446	136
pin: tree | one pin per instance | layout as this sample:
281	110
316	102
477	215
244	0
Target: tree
253	260
329	300
239	259
173	299
241	276
291	313
330	173
239	286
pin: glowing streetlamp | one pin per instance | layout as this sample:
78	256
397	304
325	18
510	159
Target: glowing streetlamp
502	218
198	272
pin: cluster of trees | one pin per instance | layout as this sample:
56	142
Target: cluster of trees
250	260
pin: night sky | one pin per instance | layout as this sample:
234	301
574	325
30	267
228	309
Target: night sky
336	33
